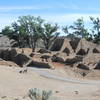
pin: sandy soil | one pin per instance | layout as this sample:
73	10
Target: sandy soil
14	85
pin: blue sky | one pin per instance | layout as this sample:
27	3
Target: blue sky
64	12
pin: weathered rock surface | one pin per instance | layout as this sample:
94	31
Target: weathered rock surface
4	41
44	51
71	61
82	66
60	45
97	65
64	51
21	59
40	64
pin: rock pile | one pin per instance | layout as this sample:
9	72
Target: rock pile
70	52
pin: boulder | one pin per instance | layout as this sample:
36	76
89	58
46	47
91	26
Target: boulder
32	54
44	51
71	61
8	54
83	66
82	52
12	54
97	66
45	57
56	58
67	51
21	59
4	42
39	64
1	53
4	54
96	50
1	59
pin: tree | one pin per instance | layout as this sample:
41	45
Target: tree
28	29
96	29
66	31
19	34
7	31
79	29
49	34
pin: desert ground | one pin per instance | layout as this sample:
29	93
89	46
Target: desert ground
71	73
15	86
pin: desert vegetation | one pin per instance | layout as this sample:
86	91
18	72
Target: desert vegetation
37	94
27	30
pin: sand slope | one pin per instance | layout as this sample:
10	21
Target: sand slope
15	85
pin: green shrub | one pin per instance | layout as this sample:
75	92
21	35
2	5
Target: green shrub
37	94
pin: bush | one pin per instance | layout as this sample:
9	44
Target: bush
37	94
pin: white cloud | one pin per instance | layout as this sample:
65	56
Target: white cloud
7	9
69	18
6	20
63	19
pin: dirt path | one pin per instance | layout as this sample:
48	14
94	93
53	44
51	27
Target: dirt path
53	76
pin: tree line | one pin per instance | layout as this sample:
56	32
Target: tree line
27	30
